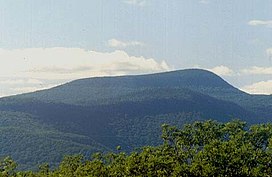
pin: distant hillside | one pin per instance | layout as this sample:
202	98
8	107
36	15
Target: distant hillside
106	90
103	89
127	110
32	142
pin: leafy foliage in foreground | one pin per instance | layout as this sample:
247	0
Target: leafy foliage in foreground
199	149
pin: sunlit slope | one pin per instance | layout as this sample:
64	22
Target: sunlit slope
32	142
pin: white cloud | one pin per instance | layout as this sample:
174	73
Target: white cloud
20	81
263	87
136	2
222	70
27	89
204	1
258	70
122	44
26	69
267	23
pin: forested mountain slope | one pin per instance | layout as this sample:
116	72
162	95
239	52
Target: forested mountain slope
108	90
101	113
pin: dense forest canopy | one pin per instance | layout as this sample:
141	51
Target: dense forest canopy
201	149
97	114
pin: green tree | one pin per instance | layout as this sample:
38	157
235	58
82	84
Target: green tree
200	149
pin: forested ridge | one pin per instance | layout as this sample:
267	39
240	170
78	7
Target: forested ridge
199	149
97	114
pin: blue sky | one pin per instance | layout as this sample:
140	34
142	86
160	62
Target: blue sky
46	43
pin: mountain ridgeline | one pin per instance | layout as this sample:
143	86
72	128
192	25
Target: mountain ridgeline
98	114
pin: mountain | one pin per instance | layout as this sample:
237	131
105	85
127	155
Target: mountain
98	114
103	90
